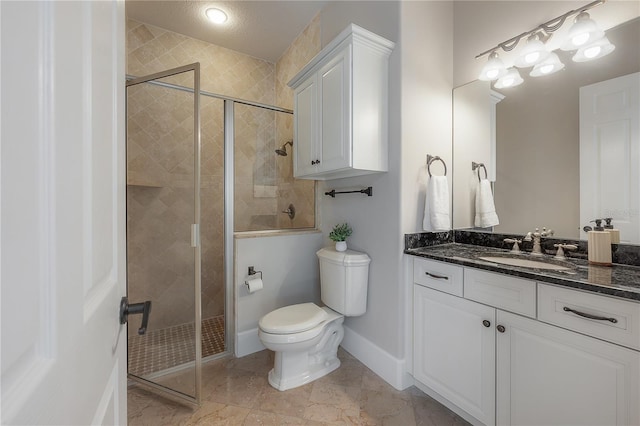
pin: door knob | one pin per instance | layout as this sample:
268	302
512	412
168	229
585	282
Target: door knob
127	309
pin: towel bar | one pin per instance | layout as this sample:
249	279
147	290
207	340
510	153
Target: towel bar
431	159
368	191
476	166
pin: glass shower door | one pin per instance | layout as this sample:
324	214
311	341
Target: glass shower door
163	220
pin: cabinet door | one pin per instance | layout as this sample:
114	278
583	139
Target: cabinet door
305	128
550	376
454	351
335	109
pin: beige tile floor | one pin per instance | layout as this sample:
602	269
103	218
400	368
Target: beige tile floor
236	392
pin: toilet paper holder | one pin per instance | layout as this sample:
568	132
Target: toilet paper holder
252	271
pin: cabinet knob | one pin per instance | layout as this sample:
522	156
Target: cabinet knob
501	328
313	162
486	323
317	161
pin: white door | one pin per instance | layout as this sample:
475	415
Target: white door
305	145
610	154
63	217
550	376
454	350
334	88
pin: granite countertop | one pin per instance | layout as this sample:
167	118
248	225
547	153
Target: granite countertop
618	280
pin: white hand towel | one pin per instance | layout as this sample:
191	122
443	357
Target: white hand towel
485	208
436	205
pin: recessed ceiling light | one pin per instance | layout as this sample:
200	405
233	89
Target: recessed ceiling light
216	16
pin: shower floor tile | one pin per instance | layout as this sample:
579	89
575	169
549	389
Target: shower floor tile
159	350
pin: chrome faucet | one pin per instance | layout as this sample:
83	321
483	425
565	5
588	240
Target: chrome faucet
535	236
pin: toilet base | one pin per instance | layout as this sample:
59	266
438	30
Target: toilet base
296	368
313	373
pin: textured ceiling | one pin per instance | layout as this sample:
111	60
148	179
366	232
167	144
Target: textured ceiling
263	29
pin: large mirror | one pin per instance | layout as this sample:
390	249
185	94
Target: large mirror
560	150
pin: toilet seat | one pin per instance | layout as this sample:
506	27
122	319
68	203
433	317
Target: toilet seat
293	319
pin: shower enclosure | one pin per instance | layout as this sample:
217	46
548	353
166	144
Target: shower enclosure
198	169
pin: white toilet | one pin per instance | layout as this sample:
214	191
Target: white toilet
305	337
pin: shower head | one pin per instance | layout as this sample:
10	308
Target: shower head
282	151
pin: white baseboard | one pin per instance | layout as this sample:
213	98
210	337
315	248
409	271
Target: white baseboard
385	365
248	342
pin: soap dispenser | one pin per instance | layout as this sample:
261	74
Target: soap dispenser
599	244
615	233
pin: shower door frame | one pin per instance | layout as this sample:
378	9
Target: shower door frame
228	233
195	229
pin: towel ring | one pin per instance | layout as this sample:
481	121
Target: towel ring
477	166
431	159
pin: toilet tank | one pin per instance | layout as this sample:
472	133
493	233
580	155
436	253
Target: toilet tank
344	277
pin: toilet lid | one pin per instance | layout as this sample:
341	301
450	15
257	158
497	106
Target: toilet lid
293	319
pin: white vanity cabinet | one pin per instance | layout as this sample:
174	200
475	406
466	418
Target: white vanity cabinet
340	108
454	350
496	358
547	375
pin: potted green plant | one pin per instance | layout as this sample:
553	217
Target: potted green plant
339	234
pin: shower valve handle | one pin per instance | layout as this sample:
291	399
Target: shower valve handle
143	308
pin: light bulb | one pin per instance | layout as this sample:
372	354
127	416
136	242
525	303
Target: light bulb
531	57
546	69
580	39
511	79
492	73
584	30
597	49
533	52
216	16
549	66
592	52
493	69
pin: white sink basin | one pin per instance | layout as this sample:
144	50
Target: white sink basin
526	263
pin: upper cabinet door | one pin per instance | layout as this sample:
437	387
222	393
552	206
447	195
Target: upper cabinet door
305	127
335	128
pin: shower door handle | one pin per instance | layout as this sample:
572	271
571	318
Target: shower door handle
127	309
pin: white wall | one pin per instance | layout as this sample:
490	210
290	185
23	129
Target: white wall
375	220
290	274
427	55
419	123
472	130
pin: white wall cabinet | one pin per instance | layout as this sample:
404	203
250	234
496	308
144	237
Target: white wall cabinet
340	108
544	374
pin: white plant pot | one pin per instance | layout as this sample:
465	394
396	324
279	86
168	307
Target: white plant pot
341	245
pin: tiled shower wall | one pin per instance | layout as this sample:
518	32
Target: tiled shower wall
298	192
160	164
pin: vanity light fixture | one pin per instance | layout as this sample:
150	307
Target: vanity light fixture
510	79
548	66
533	53
493	69
584	36
595	50
216	16
584	30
